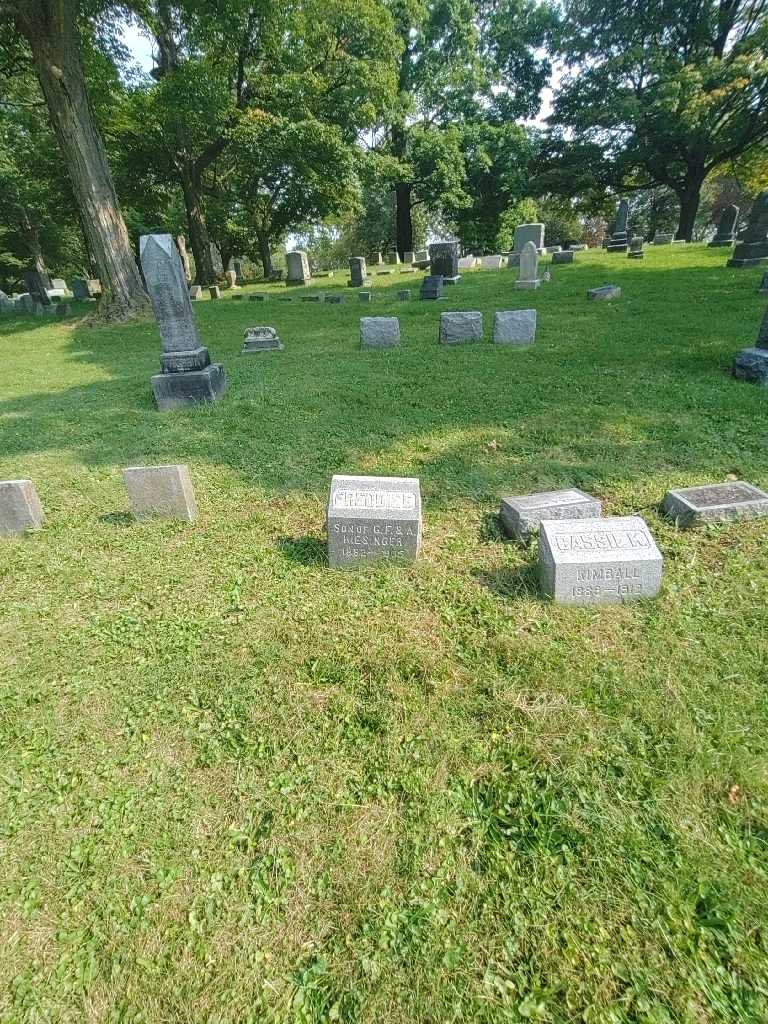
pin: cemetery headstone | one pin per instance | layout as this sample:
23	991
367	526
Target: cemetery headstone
598	561
261	339
404	295
529	268
334	299
376	258
187	374
311	298
550	250
63	309
528	233
196	292
408	257
37	285
663	238
514	327
619	235
491	262
393	258
214	291
444	261
357	271
752	246
26	303
636	249
237	266
715	503
513	260
521	514
164	492
372	519
86	288
563	256
752	363
298	268
726	228
432	287
20	507
379	332
364	296
257	297
578	247
218	265
460	328
466	263
231	278
58	284
604	293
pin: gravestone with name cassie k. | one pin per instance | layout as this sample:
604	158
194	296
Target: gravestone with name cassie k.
521	514
726	228
444	261
373	518
187	374
529	268
20	507
163	492
715	503
460	328
379	332
598	561
528	233
357	271
514	327
752	246
298	268
752	363
261	339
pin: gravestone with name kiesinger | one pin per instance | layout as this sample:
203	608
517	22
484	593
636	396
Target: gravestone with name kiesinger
187	374
431	287
444	261
528	233
521	514
379	332
636	249
514	327
726	228
619	236
598	561
604	293
20	507
373	518
460	328
298	268
529	268
752	363
261	339
357	271
715	503
752	246
163	492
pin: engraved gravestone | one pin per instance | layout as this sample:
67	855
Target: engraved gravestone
752	247
37	284
598	561
514	327
214	291
261	339
379	332
431	287
521	514
357	271
460	328
619	235
444	261
726	228
636	249
716	503
490	262
196	292
20	507
161	491
529	267
563	256
373	518
528	233
187	374
298	268
662	238
752	363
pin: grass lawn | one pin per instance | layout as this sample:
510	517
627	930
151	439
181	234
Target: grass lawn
237	786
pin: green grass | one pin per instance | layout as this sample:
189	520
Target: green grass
238	786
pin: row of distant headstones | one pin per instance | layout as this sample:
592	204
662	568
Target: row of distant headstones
583	557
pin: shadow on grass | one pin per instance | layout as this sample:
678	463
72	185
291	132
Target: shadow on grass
118	519
306	551
511	583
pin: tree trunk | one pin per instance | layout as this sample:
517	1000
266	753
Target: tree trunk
403	218
181	245
265	254
198	229
31	237
689	197
49	28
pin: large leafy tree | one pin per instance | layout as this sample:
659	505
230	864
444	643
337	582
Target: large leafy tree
49	35
661	92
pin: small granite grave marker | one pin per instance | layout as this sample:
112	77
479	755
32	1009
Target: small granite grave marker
466	263
364	296
715	503
334	299
490	262
663	238
298	268
379	332
161	491
257	297
409	257
373	518
404	295
261	339
636	249
431	287
86	288
752	363
214	291
521	514
598	561
460	328
20	507
529	267
196	292
514	327
604	293
726	228
563	256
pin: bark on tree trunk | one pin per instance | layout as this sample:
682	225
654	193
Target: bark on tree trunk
265	253
49	28
198	229
689	197
403	218
181	245
32	241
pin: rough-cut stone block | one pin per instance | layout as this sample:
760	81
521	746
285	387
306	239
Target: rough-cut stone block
373	518
715	503
176	390
261	339
20	507
521	514
563	256
379	332
161	491
460	328
604	293
514	327
598	561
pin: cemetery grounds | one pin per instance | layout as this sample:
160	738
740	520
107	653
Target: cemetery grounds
238	786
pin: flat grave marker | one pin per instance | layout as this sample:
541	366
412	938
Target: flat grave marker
715	503
164	492
521	514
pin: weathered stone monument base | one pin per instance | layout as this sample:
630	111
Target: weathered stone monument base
526	285
161	491
598	561
20	507
715	503
372	519
261	339
751	364
460	328
176	390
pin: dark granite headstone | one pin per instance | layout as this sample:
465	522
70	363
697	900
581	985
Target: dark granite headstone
432	287
444	261
752	363
726	229
752	247
357	271
37	286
